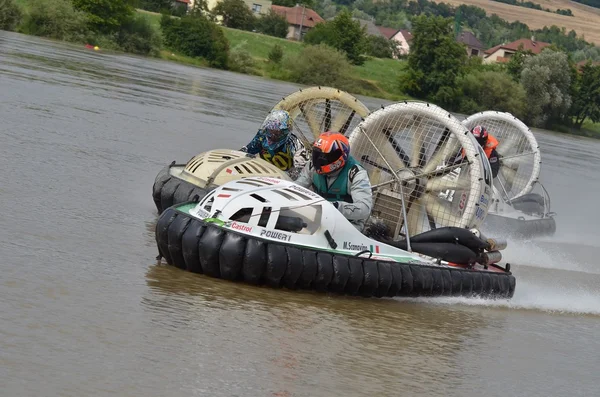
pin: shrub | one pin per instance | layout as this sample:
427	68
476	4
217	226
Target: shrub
56	19
240	59
10	15
342	33
105	16
272	24
196	36
490	90
276	54
319	65
235	14
380	47
139	36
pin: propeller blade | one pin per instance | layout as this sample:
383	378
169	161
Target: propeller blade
440	210
415	218
442	183
417	158
308	112
511	145
342	120
517	161
327	116
447	150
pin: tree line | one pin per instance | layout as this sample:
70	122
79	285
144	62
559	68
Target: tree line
544	90
491	30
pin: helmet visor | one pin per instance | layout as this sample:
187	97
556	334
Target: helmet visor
274	138
321	159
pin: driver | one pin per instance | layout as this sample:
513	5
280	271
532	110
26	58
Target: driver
339	178
275	143
489	144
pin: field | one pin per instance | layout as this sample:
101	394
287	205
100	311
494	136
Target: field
586	20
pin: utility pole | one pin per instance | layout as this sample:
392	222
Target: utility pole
301	22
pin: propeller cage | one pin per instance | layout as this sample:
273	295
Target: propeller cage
421	157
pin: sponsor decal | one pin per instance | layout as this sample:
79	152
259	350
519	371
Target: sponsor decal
200	213
304	191
230	171
224	195
276	235
241	227
272	180
350	246
479	213
463	201
483	200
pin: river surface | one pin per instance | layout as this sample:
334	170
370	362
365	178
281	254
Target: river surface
86	311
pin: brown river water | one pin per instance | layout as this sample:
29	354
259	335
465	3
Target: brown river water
86	311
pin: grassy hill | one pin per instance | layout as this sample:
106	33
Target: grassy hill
585	20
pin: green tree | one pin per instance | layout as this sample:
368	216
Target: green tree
546	79
139	36
380	47
105	16
514	67
342	33
10	15
56	19
272	24
491	90
235	14
196	36
319	65
586	98
435	61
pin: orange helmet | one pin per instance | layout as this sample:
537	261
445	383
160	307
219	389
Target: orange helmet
330	152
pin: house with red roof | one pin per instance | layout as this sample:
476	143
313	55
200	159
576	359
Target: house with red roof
300	20
474	46
502	53
402	37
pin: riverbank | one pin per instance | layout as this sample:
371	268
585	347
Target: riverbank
249	53
376	77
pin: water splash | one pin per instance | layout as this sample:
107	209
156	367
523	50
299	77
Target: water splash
532	296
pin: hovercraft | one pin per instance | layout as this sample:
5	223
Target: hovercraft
268	231
421	239
515	209
313	110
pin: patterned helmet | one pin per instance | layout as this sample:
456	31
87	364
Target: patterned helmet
330	152
480	134
276	129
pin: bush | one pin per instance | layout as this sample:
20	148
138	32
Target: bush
380	47
196	36
240	59
276	54
139	36
235	14
105	16
56	19
10	15
491	90
272	24
342	33
319	65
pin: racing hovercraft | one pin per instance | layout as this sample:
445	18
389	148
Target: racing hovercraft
268	231
515	210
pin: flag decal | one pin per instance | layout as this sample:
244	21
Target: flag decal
375	248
